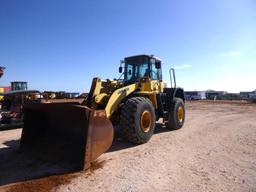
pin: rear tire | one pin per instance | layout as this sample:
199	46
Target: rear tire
176	115
137	120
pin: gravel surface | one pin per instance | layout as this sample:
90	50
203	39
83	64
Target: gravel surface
214	151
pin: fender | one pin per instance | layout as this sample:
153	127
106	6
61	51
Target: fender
117	97
175	92
179	92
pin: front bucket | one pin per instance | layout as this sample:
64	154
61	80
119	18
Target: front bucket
66	134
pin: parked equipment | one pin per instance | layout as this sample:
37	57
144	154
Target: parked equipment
11	113
75	135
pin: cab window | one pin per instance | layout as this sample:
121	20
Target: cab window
155	73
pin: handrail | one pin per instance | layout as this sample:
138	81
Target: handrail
172	76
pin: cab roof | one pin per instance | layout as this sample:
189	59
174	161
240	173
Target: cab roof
143	55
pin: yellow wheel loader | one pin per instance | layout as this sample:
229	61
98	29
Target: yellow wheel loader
73	134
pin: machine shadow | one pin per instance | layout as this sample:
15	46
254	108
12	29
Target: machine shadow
17	165
10	127
119	143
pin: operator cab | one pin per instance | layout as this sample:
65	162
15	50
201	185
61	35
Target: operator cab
141	66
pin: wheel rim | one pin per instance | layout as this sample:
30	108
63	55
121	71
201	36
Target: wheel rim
180	114
146	121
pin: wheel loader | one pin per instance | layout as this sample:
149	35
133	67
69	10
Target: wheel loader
73	134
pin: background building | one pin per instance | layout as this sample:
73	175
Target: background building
195	95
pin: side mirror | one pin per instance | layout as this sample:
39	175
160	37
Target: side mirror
130	72
120	69
158	65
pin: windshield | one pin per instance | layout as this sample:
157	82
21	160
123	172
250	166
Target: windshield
136	68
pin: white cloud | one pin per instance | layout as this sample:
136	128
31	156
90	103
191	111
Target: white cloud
230	54
233	78
184	66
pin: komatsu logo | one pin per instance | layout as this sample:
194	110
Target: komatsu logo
123	91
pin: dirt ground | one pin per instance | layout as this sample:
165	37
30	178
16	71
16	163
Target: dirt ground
214	151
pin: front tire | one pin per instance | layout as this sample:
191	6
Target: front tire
137	120
176	114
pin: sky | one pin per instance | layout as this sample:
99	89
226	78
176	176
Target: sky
61	45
